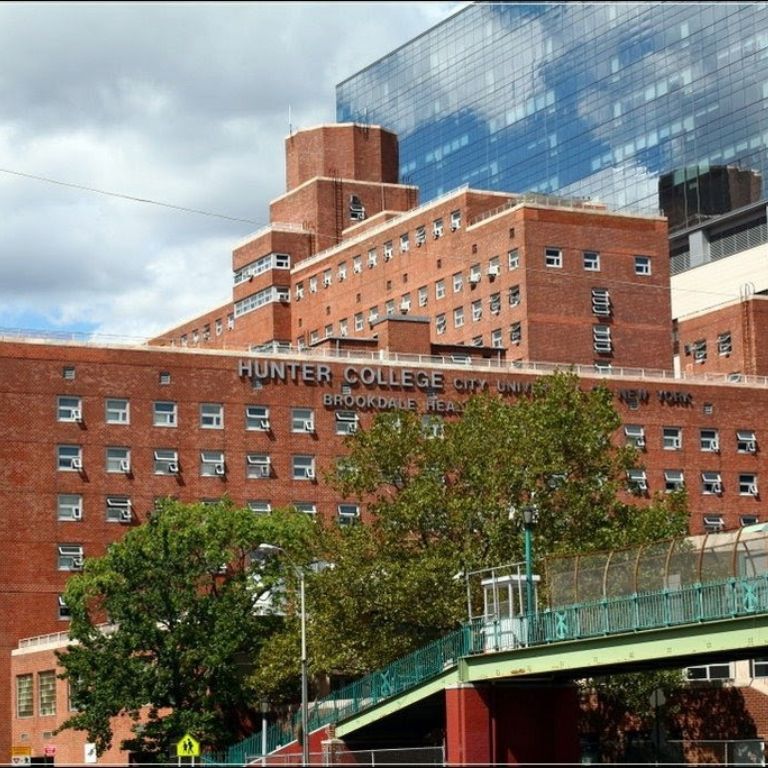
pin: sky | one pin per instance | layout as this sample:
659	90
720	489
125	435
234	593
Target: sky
186	105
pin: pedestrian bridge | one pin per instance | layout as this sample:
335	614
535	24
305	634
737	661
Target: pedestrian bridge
668	604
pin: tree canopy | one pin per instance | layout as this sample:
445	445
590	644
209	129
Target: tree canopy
167	626
441	505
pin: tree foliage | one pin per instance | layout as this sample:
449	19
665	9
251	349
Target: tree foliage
179	595
443	505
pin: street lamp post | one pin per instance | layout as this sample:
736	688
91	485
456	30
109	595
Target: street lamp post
529	518
304	676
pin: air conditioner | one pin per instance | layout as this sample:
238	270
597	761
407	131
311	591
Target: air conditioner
265	423
714	445
76	414
76	563
753	490
264	470
219	469
76	463
419	243
309	426
387	256
357	269
717	488
474	279
454	227
751	447
309	473
77	513
494	270
640	442
125	465
342	277
405	305
126	515
173	467
437	235
641	485
326	282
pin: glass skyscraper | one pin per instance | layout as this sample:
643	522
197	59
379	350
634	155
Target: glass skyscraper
575	99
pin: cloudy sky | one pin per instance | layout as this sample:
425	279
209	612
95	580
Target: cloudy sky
184	104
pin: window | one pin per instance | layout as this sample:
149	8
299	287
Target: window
673	479
24	694
497	338
421	236
328	330
65	614
455	220
724	344
404	245
258	466
440	289
711	483
513	259
405	303
591	261
635	435
494	303
437	228
117	411
69	409
553	257
516	333
760	667
357	264
347	422
313	284
709	441
642	265
69	506
746	442
303	467
166	462
299	293
303	420
46	691
745	520
699	350
68	372
713	523
458	282
359	321
475	274
748	485
230	321
709	672
637	480
356	209
119	509
514	296
477	341
601	339
672	438
165	414
373	314
388	250
432	426
344	327
70	557
348	514
423	296
440	324
601	302
211	416
389	307
69	458
458	317
119	460
494	268
477	310
212	464
372	258
260	507
257	418
307	507
327	278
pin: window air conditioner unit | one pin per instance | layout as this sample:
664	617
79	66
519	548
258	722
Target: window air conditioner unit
751	446
640	442
219	469
309	426
77	513
77	414
494	270
76	464
454	227
753	490
309	473
714	445
326	282
405	305
264	470
717	488
76	564
474	279
641	485
265	423
126	515
125	465
173	467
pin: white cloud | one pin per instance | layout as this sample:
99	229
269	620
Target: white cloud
182	103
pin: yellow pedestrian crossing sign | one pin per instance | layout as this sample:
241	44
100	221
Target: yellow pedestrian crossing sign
187	747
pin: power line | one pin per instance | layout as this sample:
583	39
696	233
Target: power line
127	197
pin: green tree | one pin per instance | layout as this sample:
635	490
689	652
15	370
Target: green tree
167	626
442	505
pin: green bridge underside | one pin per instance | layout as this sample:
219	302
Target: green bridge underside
726	619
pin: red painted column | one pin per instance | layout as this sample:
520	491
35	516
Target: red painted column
467	725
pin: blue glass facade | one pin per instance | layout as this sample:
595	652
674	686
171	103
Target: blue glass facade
589	100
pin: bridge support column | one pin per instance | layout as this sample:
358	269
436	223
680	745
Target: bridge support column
497	723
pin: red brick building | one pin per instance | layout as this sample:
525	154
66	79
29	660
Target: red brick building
355	300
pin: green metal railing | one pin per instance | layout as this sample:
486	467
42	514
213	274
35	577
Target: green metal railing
696	603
